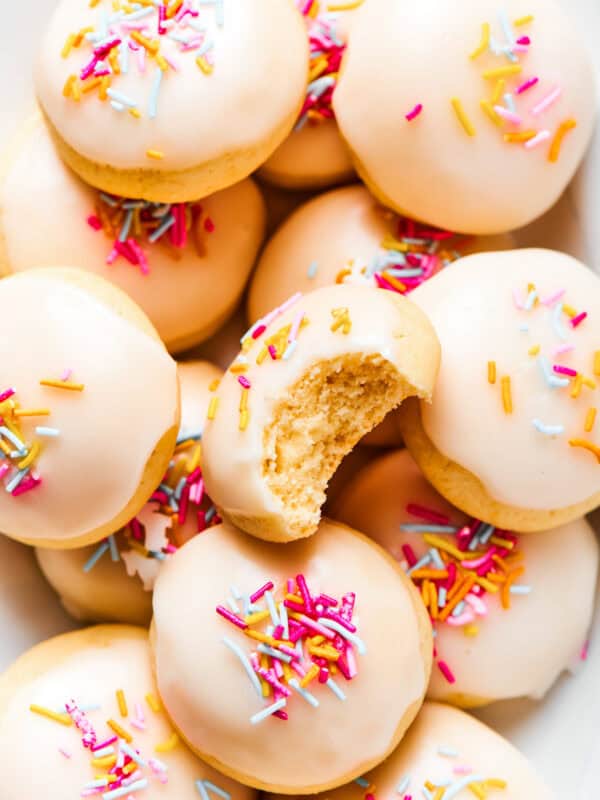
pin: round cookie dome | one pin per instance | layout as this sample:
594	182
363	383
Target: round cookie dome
113	581
185	264
485	646
161	104
103	675
511	437
228	606
487	136
78	376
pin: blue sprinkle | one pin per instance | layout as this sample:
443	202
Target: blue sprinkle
8	434
552	380
264	648
510	103
403	785
363	782
185	435
180	487
312	270
319	86
524	328
202	790
442	593
16	480
436	558
488	532
210	514
153	105
162	229
217	790
114	550
110	201
459	609
266	712
506	27
95	557
290	350
421	563
556	321
126	226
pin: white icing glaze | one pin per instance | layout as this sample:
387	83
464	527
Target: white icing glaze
430	167
209	696
185	295
383	324
471	306
108	431
90	672
517	652
331	230
260	57
477	746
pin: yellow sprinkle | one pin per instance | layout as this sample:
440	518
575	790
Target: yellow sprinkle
122	703
462	117
560	134
135	113
259	616
174	8
194	462
73	387
589	382
156	154
62	719
30	457
597	362
497	783
244	399
523	20
590	419
310	676
238	367
342	320
506	395
287	671
498	91
147	44
583	443
477	790
154	703
470	630
349	5
94	3
104	763
214	385
170	744
68	87
439	793
212	408
131	767
329	653
577	384
501	542
485	41
533	351
244	419
65	52
503	72
119	730
162	63
519	136
442	544
205	67
569	310
488	109
491	372
104	86
32	412
261	637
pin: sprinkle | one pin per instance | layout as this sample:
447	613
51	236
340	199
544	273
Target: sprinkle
509	116
414	113
506	395
156	154
57	384
217	790
403	785
95	557
583	443
462	116
62	719
546	101
342	320
346	5
528	84
523	20
540	137
122	703
446	671
597	362
560	369
362	782
170	744
590	419
268	711
549	430
577	320
489	110
310	698
335	626
519	137
448	752
503	72
485	42
124	790
312	269
520	589
491	372
121	732
336	689
556	323
212	408
560	134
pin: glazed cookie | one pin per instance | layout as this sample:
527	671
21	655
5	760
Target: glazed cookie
487	591
86	705
291	669
113	582
160	101
313	377
488	135
512	437
90	408
185	264
448	754
314	154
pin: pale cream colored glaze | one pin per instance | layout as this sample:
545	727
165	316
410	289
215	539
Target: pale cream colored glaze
472	309
383	324
202	120
210	698
107	593
89	667
108	432
518	652
430	168
479	747
43	222
331	230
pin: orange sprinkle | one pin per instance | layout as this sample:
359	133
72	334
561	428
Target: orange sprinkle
506	395
89	86
590	419
68	87
510	579
69	44
55	384
156	154
214	385
577	384
310	676
394	282
464	590
433	601
149	45
104	86
162	62
491	372
31	412
433	574
174	8
515	137
583	443
597	362
560	134
339	278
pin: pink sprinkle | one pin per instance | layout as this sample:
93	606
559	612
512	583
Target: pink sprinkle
427	514
137	724
142	59
477	604
540	137
509	116
183	505
260	592
3	470
476	563
244	382
560	369
524	40
209	225
414	113
527	85
551	299
6	394
547	101
517	299
585	650
94	222
305	594
102	745
295	326
463	619
578	319
112	256
562	348
162	15
64	752
224	612
258	331
446	671
272	352
409	555
462	770
26	486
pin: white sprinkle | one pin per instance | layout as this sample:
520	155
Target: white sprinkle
266	712
448	752
245	663
336	689
549	430
312	269
310	698
41	430
153	103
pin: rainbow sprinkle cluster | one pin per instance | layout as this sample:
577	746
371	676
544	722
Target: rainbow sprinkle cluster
406	259
460	569
133	225
140	36
461	777
517	100
326	51
118	767
179	495
305	639
18	455
558	376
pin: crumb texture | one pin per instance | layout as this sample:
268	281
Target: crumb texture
321	419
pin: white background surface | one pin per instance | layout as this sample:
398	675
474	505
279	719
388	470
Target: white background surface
562	733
